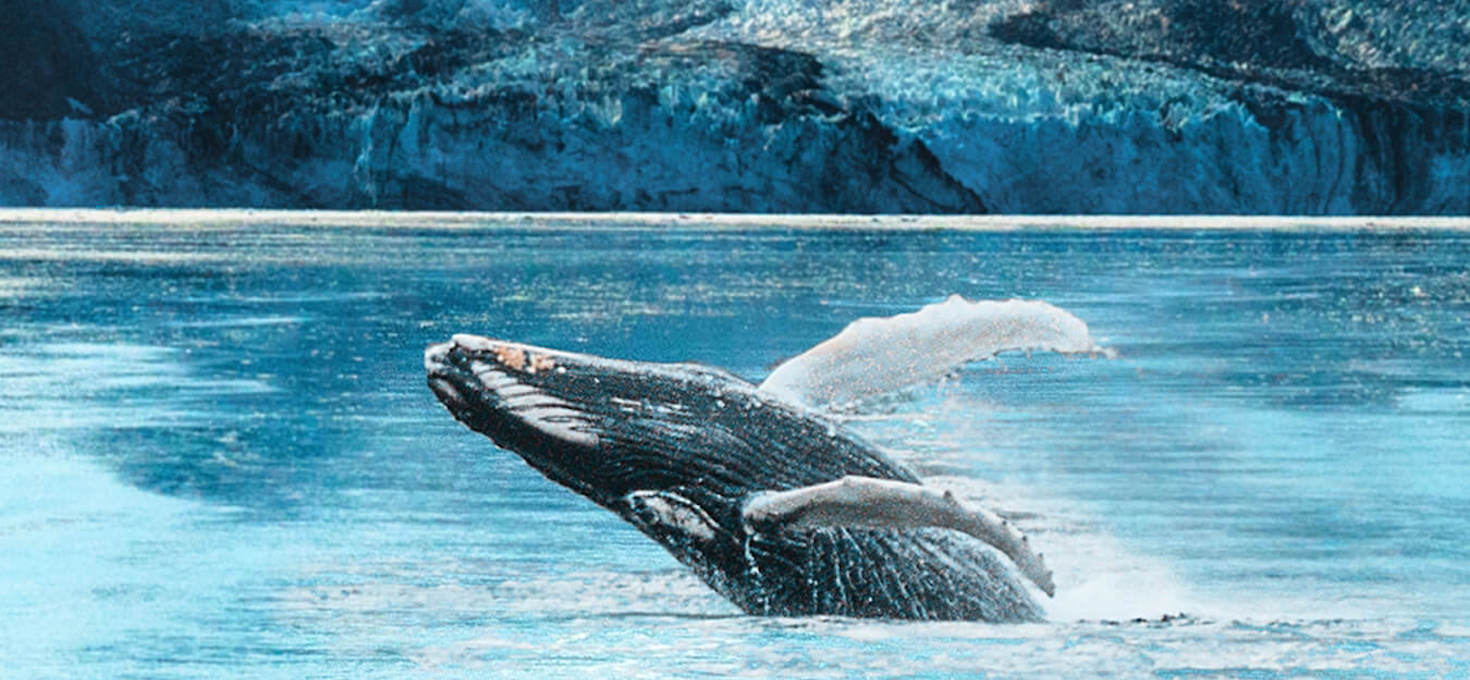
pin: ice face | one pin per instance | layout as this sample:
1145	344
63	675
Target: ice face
1327	107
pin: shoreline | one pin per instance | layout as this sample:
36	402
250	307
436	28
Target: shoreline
380	219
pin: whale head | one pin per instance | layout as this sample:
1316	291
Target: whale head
510	392
602	427
673	449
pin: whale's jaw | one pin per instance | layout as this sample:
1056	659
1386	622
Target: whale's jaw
602	427
520	397
494	387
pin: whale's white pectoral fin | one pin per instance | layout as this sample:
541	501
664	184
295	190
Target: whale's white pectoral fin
873	355
866	502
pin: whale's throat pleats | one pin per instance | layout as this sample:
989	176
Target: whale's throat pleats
620	428
919	574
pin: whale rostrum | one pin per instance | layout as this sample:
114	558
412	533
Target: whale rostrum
780	509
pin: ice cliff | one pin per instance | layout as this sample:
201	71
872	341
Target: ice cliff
1085	106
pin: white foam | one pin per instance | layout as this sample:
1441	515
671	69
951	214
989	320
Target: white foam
1097	577
874	356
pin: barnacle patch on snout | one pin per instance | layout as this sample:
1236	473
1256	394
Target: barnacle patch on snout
542	362
517	359
513	358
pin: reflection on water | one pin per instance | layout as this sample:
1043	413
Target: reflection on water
221	457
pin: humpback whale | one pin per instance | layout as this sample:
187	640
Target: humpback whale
778	508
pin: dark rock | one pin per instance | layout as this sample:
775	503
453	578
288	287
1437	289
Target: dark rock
46	64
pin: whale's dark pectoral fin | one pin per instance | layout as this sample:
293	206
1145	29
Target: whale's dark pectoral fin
867	502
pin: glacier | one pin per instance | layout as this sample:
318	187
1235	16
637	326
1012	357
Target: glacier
1310	107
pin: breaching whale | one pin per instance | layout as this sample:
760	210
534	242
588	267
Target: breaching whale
779	508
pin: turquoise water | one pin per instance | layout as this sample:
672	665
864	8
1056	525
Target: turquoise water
221	458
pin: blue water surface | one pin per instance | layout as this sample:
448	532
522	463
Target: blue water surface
221	459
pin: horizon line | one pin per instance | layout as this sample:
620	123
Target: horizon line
469	220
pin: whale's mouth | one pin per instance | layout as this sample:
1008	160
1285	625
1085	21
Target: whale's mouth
508	391
448	380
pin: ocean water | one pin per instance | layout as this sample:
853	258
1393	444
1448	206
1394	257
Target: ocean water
220	458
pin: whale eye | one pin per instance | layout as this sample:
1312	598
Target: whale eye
546	413
673	513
